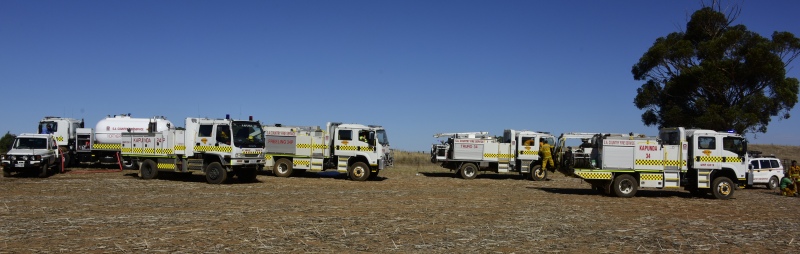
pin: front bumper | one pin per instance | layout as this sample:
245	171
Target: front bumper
19	165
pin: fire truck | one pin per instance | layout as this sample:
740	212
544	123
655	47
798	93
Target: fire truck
100	144
467	153
220	148
701	161
361	151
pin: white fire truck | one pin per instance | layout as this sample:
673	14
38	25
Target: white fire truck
470	152
99	145
361	151
701	161
220	148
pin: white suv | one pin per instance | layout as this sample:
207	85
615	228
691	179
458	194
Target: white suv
766	171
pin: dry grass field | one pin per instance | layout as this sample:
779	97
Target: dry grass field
413	207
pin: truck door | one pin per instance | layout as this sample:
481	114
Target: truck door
707	153
674	149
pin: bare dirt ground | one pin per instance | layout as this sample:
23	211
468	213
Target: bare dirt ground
408	209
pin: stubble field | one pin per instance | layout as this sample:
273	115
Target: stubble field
413	207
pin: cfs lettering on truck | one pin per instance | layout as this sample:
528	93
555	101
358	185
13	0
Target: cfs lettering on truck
700	161
468	153
36	153
219	148
360	151
99	145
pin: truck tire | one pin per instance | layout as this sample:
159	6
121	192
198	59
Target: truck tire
59	167
468	171
67	159
537	173
773	183
216	174
722	188
43	171
283	168
359	171
246	175
148	170
625	186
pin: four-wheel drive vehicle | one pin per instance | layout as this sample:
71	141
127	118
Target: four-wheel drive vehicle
32	152
766	171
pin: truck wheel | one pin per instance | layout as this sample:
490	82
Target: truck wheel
43	172
537	173
282	168
773	183
246	175
722	188
59	167
67	159
148	169
468	171
359	171
625	186
216	174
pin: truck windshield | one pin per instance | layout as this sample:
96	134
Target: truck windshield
30	143
248	134
47	127
382	138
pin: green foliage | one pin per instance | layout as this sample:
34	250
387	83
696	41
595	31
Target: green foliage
6	141
717	76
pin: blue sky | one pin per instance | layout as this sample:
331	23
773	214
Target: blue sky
415	67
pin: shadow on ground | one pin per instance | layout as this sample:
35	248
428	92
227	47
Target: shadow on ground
189	177
640	193
480	176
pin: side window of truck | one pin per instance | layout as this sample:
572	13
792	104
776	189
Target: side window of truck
205	131
755	164
528	141
775	163
345	135
765	164
708	143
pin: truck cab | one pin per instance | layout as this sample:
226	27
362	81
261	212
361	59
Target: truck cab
32	152
712	161
64	132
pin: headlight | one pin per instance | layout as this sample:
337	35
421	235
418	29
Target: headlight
25	157
38	157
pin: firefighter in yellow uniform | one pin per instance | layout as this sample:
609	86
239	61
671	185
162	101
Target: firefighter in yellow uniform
547	156
787	186
794	173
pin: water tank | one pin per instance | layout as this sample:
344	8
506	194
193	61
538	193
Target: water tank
110	129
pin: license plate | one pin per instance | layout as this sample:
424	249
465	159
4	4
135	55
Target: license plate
20	164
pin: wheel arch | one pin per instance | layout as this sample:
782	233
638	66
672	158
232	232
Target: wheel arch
726	172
